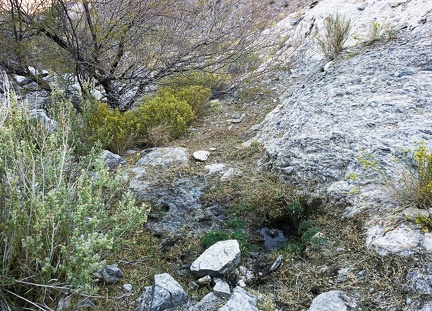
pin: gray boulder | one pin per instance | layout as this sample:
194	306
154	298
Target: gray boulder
218	260
112	160
333	300
176	200
378	102
166	293
241	300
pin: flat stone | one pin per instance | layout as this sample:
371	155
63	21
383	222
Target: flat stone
218	260
164	157
401	240
214	168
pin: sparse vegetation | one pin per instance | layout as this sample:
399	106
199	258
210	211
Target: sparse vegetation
383	30
334	35
413	186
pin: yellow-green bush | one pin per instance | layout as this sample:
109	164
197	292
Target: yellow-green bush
167	114
114	130
196	96
164	109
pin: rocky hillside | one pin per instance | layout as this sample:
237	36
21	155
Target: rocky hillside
375	98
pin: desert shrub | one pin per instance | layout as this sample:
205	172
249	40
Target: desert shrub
335	33
164	108
114	130
60	215
195	95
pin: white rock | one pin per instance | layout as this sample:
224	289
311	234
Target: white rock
205	280
399	240
164	157
331	301
230	172
201	155
127	288
218	260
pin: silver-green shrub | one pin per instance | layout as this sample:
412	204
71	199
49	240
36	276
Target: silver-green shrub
60	215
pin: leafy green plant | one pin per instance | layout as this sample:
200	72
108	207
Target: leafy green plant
425	222
335	33
236	223
61	215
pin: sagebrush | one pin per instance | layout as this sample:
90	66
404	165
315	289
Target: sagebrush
61	214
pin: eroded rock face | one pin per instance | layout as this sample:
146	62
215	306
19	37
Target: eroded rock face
218	260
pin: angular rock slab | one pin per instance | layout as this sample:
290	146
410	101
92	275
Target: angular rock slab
333	300
241	300
201	155
166	293
218	260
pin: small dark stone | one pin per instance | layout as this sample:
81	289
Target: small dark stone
315	290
